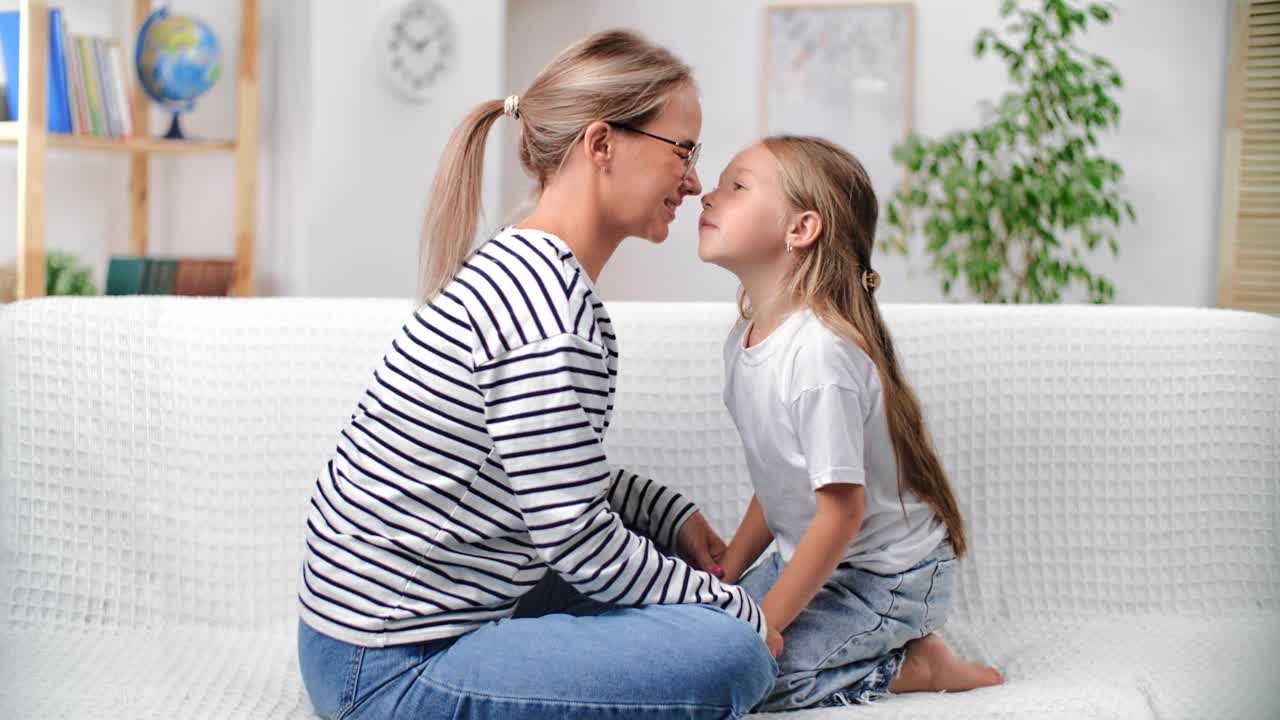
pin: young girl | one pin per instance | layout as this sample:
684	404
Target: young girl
845	475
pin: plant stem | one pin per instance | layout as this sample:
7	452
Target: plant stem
1026	272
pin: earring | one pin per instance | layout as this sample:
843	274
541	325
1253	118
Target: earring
788	246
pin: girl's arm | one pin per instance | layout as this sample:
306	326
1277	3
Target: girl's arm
751	538
836	524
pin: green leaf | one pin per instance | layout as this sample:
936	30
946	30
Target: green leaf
950	265
915	160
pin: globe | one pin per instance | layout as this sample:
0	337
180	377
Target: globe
178	59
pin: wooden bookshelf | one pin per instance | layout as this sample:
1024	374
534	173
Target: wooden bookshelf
34	142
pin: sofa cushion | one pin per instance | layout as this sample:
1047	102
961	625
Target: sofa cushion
1153	667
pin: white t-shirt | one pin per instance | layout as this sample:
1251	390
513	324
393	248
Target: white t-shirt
810	409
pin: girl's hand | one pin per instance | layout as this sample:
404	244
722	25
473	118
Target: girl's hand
700	545
775	643
728	574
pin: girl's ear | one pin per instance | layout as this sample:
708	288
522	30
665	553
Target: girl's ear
598	145
803	229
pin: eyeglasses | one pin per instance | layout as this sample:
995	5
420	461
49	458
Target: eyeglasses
691	150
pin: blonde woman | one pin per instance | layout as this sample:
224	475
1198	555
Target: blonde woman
846	479
470	551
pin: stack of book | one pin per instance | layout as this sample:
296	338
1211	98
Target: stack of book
89	79
165	276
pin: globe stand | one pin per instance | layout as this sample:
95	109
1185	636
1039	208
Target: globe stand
175	131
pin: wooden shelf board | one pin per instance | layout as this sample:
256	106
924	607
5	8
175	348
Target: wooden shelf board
9	136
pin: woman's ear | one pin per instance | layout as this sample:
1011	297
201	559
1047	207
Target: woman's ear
803	229
598	145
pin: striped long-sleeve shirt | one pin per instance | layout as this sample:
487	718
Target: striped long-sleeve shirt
475	462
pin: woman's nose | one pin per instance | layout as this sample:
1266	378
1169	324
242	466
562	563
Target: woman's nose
692	185
706	201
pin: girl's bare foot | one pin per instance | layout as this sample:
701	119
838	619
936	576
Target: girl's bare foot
930	666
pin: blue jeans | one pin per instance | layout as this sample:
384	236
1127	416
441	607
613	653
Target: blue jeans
846	646
562	656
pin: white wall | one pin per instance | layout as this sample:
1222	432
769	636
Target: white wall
344	167
356	164
1172	54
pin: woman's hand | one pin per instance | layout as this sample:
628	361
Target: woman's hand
700	545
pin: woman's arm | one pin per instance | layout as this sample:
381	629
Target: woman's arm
836	524
649	507
667	517
552	454
751	538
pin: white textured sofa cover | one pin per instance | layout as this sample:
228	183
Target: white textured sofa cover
1119	469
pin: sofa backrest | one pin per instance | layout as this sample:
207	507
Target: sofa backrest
156	454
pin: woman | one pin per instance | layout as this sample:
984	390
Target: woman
473	471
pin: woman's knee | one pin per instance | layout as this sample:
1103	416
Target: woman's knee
729	657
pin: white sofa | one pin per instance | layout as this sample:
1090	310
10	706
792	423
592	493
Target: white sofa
1119	469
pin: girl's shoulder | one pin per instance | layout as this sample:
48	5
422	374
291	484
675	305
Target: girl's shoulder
819	357
733	342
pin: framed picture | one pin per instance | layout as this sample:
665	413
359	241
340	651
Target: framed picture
843	72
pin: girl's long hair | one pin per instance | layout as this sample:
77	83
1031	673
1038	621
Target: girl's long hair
817	175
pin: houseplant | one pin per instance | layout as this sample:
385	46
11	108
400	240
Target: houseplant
1010	208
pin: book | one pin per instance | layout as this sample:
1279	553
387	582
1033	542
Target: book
74	82
59	111
208	278
124	276
133	275
104	87
158	279
5	113
9	46
59	108
120	87
92	98
76	59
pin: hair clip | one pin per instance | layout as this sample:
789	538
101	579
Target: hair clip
870	280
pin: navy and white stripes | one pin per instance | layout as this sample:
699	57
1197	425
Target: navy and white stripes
475	462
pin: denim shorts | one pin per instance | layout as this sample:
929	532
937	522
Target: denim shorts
847	645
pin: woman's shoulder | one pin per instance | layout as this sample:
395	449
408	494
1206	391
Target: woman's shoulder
523	284
532	252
